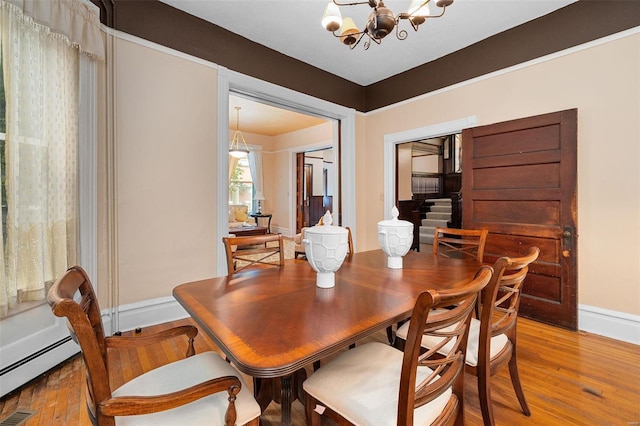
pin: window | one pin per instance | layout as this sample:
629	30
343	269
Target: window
241	183
40	129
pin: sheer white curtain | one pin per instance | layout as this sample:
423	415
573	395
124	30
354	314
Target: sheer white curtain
255	166
233	162
41	90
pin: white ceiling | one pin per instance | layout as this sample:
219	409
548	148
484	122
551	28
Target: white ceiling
293	27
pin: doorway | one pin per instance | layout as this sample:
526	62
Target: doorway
343	130
316	182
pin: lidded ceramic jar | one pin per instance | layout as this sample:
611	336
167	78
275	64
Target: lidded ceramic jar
326	247
395	237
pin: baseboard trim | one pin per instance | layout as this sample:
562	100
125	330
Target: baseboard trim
150	312
604	322
608	323
21	373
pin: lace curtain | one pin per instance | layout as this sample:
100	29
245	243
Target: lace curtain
41	90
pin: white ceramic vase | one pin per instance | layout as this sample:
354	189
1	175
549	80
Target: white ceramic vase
395	238
326	247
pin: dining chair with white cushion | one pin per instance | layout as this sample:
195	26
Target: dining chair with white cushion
377	384
492	342
201	389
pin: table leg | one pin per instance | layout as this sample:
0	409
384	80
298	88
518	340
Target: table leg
285	400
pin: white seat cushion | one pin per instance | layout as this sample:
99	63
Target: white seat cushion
497	342
178	375
362	384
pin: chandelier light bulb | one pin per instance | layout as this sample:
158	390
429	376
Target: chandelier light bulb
349	32
332	18
418	11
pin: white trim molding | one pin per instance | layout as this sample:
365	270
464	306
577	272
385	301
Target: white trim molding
147	313
608	323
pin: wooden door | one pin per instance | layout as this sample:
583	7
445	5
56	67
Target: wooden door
519	182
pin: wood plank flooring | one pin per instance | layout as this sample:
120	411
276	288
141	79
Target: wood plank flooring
569	378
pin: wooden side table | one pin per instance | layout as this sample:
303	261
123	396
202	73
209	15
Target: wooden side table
259	216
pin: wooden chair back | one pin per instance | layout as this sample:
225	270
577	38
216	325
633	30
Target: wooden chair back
460	243
85	326
498	305
449	326
252	251
350	241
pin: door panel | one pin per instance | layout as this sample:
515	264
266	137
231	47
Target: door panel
519	182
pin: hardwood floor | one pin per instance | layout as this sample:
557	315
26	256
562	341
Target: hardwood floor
569	378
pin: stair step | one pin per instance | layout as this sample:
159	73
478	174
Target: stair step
439	216
426	239
434	222
427	230
441	209
441	201
426	235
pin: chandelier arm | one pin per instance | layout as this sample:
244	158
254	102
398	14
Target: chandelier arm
402	34
360	33
366	43
376	40
444	8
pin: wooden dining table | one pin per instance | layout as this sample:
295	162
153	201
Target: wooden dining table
271	323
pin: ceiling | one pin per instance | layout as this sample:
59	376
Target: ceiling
293	28
267	120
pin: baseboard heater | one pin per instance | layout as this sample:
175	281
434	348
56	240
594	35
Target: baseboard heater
34	355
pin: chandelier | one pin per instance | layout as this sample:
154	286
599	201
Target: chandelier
381	21
234	148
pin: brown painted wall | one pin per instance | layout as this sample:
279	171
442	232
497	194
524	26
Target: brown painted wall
575	24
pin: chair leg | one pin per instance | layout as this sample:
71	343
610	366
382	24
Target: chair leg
517	386
313	417
390	335
484	394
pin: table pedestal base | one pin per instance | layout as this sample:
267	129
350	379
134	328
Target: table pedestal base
282	390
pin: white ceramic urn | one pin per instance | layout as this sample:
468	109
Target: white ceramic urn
326	247
395	237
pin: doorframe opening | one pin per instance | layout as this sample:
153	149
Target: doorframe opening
344	131
393	139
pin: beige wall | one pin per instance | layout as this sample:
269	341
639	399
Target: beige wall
165	143
603	82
